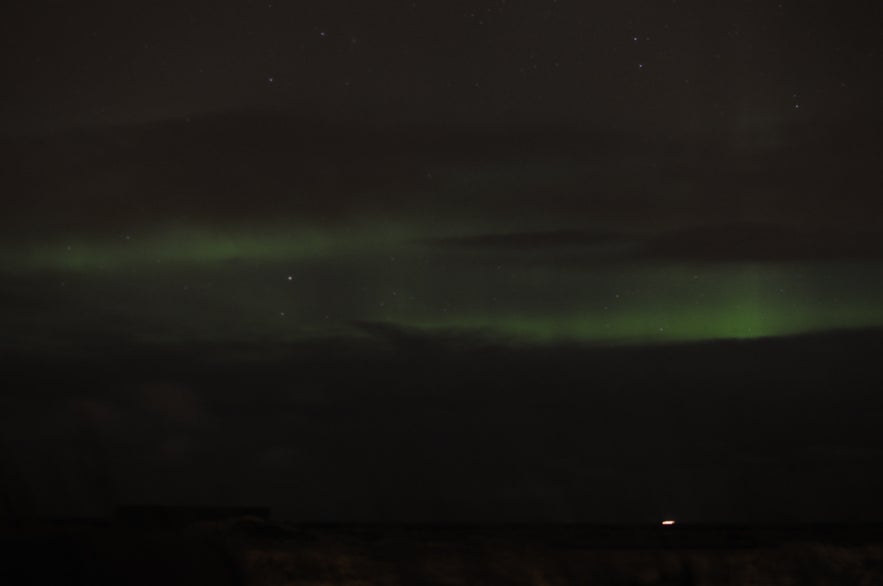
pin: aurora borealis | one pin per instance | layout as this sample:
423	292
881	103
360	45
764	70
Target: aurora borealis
556	261
489	242
193	284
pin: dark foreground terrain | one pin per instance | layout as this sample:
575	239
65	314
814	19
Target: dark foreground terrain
536	465
253	551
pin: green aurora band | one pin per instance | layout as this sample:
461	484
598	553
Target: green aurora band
190	284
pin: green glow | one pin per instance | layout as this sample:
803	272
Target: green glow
673	303
195	284
677	325
201	245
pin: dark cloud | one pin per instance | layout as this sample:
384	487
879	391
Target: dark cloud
764	242
707	243
531	240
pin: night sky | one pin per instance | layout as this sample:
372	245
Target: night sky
434	261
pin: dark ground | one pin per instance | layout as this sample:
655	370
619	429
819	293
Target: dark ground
766	451
249	550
